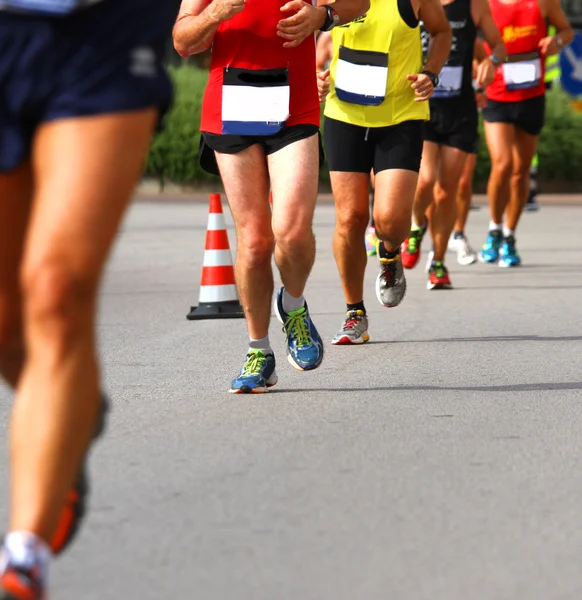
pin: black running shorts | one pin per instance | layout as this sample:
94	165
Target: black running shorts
528	115
355	149
233	144
454	123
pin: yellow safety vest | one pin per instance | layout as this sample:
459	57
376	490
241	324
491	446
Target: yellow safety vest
363	51
553	70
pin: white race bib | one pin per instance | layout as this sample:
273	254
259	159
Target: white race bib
255	102
361	77
450	82
522	74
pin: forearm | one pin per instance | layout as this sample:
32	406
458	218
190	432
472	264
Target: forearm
347	10
194	33
438	52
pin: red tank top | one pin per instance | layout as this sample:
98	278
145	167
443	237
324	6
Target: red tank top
249	41
522	26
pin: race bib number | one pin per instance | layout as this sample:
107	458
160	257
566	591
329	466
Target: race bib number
361	76
255	102
45	7
522	74
450	82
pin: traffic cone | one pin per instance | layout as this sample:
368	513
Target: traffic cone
218	297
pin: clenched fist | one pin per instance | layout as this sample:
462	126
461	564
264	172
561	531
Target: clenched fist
222	10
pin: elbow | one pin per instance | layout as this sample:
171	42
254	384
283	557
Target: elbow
180	46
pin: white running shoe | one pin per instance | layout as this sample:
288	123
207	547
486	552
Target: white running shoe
465	254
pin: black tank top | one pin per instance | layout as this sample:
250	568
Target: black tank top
457	75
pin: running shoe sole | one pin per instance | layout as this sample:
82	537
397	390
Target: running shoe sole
505	265
258	390
346	340
468	260
482	259
438	286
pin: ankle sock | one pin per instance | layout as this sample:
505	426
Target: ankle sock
458	235
383	253
508	232
493	226
290	303
27	550
356	306
416	227
261	344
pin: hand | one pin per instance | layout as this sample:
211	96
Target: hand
306	20
481	99
223	10
422	86
485	73
323	84
549	46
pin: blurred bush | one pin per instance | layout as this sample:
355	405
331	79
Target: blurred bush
174	153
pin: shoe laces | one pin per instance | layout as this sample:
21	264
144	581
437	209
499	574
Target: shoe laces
414	240
254	363
510	244
296	328
389	271
353	319
439	270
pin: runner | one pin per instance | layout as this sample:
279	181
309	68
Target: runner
260	115
451	135
373	120
514	116
81	91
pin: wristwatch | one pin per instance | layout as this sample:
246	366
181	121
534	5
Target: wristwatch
331	19
495	60
559	41
433	77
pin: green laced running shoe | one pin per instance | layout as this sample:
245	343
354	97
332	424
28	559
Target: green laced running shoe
256	375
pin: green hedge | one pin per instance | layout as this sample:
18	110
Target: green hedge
174	153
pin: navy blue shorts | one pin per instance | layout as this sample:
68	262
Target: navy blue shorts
104	59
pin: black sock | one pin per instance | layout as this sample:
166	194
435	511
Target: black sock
357	306
386	254
458	234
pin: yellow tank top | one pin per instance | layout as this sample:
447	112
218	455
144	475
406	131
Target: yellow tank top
379	39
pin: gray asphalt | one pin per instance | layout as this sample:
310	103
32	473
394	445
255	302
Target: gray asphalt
440	462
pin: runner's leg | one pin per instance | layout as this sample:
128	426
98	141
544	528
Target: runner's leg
465	193
500	140
248	197
523	150
85	171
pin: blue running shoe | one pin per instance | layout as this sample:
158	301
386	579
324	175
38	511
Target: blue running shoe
508	255
304	344
257	374
490	250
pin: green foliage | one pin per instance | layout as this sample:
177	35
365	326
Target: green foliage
174	153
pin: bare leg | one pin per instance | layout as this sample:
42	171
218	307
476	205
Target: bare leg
427	177
248	197
16	194
500	140
524	150
350	192
465	192
294	197
85	171
444	211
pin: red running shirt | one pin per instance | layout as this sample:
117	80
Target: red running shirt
522	26
249	41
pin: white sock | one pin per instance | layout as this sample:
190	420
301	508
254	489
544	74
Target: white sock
27	550
261	344
493	226
508	232
416	226
291	303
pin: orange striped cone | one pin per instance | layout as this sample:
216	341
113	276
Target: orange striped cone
218	296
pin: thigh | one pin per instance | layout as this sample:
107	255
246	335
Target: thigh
429	164
351	195
398	147
348	148
85	171
294	173
15	201
500	138
246	182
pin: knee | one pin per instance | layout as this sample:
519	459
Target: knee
502	167
57	301
293	234
352	222
520	173
426	183
465	187
255	248
445	194
393	229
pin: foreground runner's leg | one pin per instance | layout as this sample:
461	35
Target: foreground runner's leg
371	237
392	211
423	198
459	242
84	172
351	196
523	151
443	214
500	140
294	197
248	198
